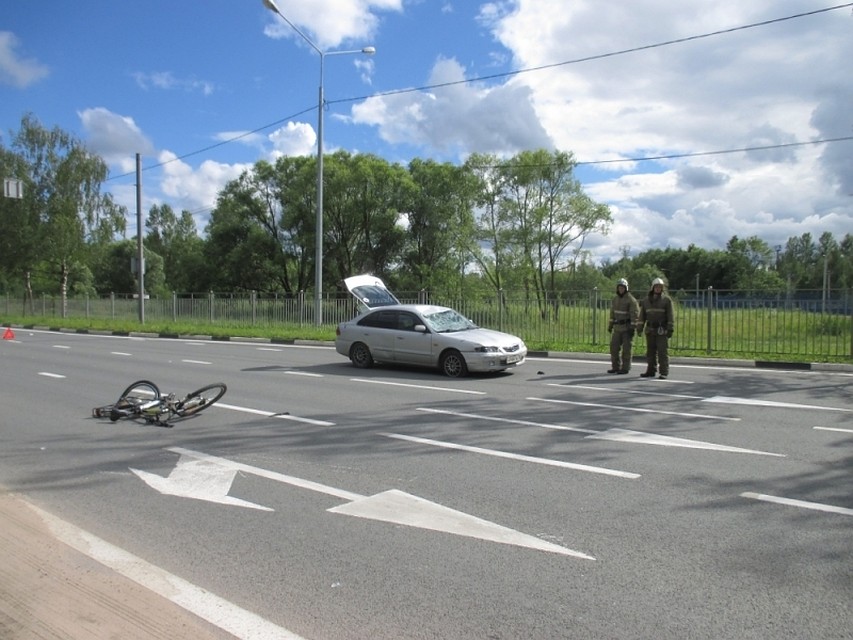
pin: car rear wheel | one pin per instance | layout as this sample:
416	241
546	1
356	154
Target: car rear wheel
453	364
360	356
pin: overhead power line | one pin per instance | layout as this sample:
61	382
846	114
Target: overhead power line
507	74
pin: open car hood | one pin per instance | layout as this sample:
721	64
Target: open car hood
370	291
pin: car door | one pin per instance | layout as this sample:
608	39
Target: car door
378	330
412	340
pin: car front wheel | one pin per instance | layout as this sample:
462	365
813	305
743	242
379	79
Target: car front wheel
453	364
360	356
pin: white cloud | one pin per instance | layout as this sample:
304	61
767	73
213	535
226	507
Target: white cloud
293	139
15	70
195	189
117	139
457	118
166	80
330	24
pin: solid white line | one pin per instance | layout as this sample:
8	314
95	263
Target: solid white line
61	346
620	390
50	375
273	414
120	353
526	423
419	386
224	614
515	456
304	373
268	349
636	409
833	429
770	403
817	506
196	362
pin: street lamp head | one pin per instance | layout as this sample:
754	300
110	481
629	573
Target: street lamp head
272	6
369	51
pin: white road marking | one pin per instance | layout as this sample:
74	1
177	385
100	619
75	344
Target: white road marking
192	480
196	362
120	353
50	375
770	403
273	414
833	429
235	620
304	373
527	423
419	386
268	349
515	456
635	409
620	390
61	346
816	506
619	435
641	437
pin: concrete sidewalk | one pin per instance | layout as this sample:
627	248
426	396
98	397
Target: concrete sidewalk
50	591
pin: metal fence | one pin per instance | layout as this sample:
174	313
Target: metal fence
806	323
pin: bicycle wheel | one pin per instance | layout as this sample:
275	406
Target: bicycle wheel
137	394
141	390
200	399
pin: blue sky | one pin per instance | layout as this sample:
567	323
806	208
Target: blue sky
171	79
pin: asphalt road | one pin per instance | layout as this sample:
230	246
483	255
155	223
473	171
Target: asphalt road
555	501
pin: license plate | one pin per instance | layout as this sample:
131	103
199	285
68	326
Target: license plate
514	358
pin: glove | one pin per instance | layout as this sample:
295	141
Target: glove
669	333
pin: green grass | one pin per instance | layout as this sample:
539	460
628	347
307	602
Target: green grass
734	340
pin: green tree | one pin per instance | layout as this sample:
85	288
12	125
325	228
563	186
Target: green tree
67	207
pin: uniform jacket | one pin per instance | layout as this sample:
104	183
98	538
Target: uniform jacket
624	312
656	311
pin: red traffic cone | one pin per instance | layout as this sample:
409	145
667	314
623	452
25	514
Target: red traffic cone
8	334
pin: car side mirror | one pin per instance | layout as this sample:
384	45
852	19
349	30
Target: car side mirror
420	328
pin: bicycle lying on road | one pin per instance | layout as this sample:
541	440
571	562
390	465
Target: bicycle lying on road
143	400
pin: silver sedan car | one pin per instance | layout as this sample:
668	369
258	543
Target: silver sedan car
421	334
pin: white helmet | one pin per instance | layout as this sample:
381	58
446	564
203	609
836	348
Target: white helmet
622	283
657	281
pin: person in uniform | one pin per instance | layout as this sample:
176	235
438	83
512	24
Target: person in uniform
658	321
624	312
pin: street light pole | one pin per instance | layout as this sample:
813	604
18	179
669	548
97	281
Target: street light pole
318	249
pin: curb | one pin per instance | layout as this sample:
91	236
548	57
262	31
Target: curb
833	367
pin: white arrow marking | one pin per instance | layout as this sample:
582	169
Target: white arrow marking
199	479
205	477
640	437
636	409
770	403
623	435
402	508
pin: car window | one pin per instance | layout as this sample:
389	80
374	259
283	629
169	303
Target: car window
448	320
408	321
380	320
373	296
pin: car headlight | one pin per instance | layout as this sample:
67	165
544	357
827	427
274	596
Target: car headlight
482	349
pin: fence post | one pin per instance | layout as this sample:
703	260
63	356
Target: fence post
301	303
174	306
710	312
501	305
254	307
849	299
595	315
210	305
